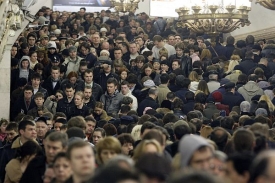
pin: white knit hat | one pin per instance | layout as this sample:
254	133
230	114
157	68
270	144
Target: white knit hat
149	83
57	31
105	51
103	29
51	44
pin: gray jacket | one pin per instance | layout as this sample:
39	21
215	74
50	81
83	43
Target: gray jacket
249	90
111	103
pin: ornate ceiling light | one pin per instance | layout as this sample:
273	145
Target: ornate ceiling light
269	4
213	17
125	5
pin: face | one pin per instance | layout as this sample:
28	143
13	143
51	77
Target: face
13	51
58	96
39	101
233	176
29	133
49	124
148	71
179	52
84	51
62	169
157	44
57	126
171	40
33	57
199	42
191	41
87	93
140	42
191	51
126	148
52	149
88	77
218	167
78	100
106	155
72	54
111	88
41	129
69	92
156	65
177	39
25	64
3	128
98	111
97	136
140	64
96	39
175	65
27	94
124	89
118	54
10	134
48	175
35	82
55	74
123	75
90	126
201	160
82	161
164	67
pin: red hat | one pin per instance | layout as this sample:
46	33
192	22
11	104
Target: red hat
217	96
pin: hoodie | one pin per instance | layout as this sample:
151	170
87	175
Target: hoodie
24	73
249	90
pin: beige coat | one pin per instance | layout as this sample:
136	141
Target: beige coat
13	171
162	93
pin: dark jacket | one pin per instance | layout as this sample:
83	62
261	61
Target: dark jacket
267	71
231	100
48	85
181	94
20	107
90	59
220	49
78	86
147	102
15	77
269	48
179	113
112	103
229	50
186	65
65	106
247	65
91	103
210	110
188	106
85	111
172	149
35	170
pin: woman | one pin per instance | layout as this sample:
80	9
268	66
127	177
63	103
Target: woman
156	66
206	57
146	146
42	57
203	87
107	149
72	78
269	103
51	101
147	70
33	59
194	78
61	167
148	55
98	134
17	166
99	112
234	60
80	109
123	73
98	23
3	124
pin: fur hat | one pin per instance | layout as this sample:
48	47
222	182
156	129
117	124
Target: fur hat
105	51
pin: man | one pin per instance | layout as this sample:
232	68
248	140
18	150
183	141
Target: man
24	103
112	98
35	82
96	88
89	99
82	161
230	41
125	51
248	63
171	40
213	83
251	88
44	40
195	152
134	85
72	62
125	91
53	83
39	101
230	98
133	50
149	101
263	63
41	129
85	53
139	40
54	143
184	84
132	34
64	105
159	43
90	126
178	38
31	38
27	132
163	88
112	22
12	132
96	42
118	54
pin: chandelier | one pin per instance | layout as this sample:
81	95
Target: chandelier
269	4
213	17
125	5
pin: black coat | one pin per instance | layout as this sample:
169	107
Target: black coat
65	106
267	71
48	85
85	111
181	94
6	154
178	113
35	170
101	79
247	65
229	50
15	77
188	106
147	102
231	100
20	107
172	149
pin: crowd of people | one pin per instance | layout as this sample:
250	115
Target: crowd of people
106	99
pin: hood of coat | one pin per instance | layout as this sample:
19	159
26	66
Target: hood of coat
251	88
269	46
24	58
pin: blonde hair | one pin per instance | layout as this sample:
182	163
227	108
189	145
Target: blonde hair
268	101
136	132
141	148
163	52
205	53
232	64
193	76
206	131
80	93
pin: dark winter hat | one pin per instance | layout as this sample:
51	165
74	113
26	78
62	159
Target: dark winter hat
75	132
61	120
63	38
65	52
248	122
217	96
125	120
14	62
237	67
179	79
165	62
22	82
229	85
256	98
41	119
166	104
55	59
210	100
257	47
224	81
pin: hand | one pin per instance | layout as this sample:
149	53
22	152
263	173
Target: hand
52	97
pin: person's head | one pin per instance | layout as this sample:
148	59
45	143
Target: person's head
127	143
69	91
27	130
82	159
88	76
41	127
79	99
54	143
72	77
195	152
145	147
124	87
11	131
28	92
244	140
55	72
158	41
182	82
28	151
107	148
39	99
3	125
61	167
153	93
98	134
111	85
98	108
133	48
59	122
90	125
72	52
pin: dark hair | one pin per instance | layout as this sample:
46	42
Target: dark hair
189	95
112	81
23	124
177	104
27	87
241	162
58	137
249	54
169	117
29	148
253	77
125	108
242	78
110	129
227	123
243	140
76	144
191	115
125	138
181	130
69	86
154	134
12	126
146	125
132	78
59	156
194	177
230	40
164	78
101	130
200	98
